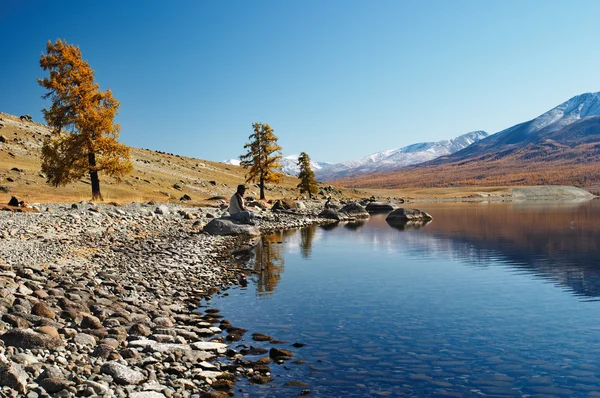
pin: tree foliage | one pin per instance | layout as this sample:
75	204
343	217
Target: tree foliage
262	157
308	183
84	137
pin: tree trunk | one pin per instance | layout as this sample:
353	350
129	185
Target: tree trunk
96	195
262	188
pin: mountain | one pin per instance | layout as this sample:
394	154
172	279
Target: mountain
561	146
289	164
231	162
542	127
398	158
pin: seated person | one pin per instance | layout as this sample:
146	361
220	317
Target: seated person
237	210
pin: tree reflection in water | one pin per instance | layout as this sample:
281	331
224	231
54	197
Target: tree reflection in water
269	261
306	238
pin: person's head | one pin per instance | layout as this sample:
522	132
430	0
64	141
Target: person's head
241	189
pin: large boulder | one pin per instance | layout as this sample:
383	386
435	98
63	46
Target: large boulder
225	226
355	210
405	215
380	207
331	214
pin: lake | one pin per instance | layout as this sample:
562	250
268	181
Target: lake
496	299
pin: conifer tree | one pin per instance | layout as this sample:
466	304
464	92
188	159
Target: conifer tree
84	137
262	157
307	176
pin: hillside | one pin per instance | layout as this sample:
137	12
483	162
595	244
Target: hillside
560	147
156	175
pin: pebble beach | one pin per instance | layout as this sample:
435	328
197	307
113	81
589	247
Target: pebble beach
103	300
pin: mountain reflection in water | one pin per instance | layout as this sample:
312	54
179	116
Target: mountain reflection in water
557	241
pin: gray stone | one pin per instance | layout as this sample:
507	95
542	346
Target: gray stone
408	215
162	209
354	209
146	394
122	374
380	207
85	339
13	376
224	226
53	385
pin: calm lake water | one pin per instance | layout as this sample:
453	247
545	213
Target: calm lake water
495	299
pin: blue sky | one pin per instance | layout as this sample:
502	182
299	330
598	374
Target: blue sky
338	79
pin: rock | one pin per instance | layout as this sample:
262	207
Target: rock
280	354
185	197
84	339
27	338
224	226
122	374
2	138
146	394
55	384
90	322
162	210
209	346
13	376
139	329
283	204
403	215
331	214
13	201
42	309
355	210
162	321
380	207
16	321
49	330
261	337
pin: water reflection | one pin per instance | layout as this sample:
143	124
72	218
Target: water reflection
460	308
408	225
558	242
307	235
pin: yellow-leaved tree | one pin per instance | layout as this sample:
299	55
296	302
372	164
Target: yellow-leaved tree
308	183
262	157
84	136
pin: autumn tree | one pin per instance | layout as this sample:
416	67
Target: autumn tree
262	157
84	136
308	183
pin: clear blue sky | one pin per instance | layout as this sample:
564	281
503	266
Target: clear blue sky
338	79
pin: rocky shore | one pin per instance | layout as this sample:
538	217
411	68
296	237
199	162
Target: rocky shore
101	300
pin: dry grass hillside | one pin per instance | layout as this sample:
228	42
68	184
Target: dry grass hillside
156	176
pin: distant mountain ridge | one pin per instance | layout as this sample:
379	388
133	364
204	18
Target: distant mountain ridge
559	147
384	160
398	158
289	164
543	127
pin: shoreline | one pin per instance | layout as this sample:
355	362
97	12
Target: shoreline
103	300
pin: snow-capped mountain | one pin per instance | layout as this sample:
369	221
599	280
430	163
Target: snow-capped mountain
576	109
289	164
233	162
397	158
